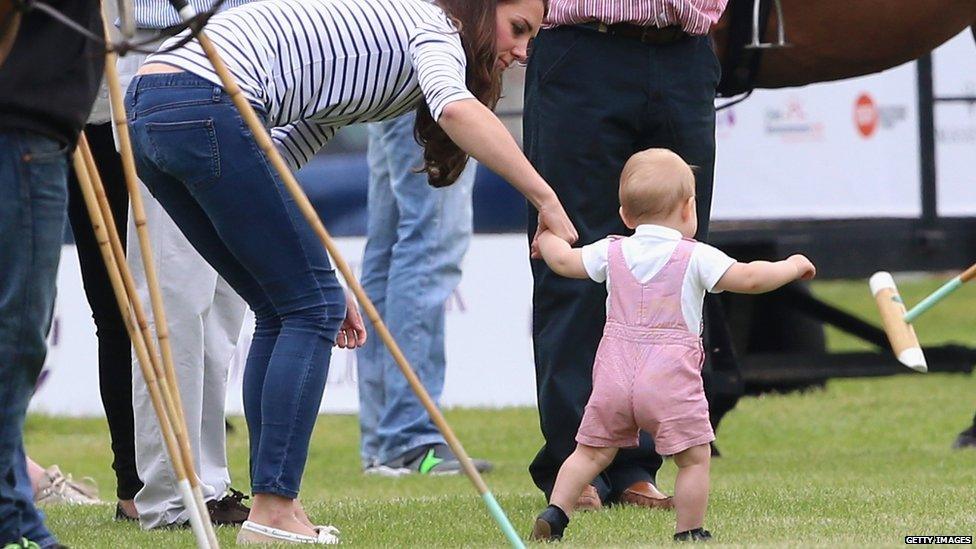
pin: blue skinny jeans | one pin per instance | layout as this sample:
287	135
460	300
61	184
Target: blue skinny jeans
196	156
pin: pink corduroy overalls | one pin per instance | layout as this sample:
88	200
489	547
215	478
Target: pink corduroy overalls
647	373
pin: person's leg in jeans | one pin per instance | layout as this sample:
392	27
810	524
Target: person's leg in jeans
33	211
216	184
381	231
114	353
433	230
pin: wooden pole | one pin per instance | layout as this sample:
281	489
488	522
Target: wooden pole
152	281
153	384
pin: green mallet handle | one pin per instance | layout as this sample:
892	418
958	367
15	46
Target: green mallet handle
940	294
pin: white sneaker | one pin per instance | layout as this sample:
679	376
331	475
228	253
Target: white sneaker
57	489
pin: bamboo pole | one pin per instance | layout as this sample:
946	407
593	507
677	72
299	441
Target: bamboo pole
153	384
152	281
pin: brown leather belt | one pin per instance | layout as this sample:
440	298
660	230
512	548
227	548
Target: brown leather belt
648	35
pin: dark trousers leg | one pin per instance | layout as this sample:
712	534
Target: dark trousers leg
723	381
114	359
592	101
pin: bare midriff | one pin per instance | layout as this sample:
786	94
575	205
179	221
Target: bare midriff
158	68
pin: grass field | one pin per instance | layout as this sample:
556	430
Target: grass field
864	462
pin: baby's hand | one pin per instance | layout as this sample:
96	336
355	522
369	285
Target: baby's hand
534	251
805	270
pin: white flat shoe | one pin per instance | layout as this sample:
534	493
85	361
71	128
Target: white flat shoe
254	533
326	531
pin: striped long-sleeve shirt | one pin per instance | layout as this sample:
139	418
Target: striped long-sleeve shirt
694	16
318	65
159	14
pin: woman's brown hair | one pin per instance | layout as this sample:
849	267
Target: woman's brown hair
475	19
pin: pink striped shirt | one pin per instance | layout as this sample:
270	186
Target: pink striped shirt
694	16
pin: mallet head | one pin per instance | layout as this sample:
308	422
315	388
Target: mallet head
901	335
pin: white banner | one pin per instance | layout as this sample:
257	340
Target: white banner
848	149
954	67
839	150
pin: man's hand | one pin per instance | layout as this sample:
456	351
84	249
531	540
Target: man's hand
9	22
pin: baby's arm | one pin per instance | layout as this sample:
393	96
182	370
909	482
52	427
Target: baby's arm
561	258
759	277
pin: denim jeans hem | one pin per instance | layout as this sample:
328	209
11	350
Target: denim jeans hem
274	490
418	442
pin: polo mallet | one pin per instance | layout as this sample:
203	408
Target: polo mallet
152	281
263	140
897	321
157	387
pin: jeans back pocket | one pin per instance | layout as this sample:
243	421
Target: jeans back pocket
186	150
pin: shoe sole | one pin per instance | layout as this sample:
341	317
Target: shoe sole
483	467
542	531
386	471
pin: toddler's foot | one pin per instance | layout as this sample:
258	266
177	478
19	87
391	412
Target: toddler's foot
549	525
697	534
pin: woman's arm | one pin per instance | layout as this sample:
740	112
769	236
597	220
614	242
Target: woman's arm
479	133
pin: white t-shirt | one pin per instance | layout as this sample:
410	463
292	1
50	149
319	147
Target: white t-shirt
648	251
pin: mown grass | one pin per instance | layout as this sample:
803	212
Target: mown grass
863	462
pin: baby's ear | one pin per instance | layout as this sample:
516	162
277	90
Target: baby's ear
689	210
623	217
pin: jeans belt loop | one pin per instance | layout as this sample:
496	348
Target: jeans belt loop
217	92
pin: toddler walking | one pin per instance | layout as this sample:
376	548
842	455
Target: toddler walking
647	372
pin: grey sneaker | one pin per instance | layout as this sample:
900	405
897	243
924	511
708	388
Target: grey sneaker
58	489
433	459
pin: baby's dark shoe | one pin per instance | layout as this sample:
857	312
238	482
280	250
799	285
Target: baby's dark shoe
549	525
698	534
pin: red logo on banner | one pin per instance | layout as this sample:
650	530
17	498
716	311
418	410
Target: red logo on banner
865	115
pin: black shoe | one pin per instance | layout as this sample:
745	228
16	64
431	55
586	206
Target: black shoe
122	516
550	525
966	439
698	534
229	510
433	459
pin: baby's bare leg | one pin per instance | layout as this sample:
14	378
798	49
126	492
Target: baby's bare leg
579	469
691	487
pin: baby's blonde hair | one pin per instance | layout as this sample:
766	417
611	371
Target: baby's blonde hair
653	184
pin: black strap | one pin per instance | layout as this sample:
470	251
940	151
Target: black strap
741	64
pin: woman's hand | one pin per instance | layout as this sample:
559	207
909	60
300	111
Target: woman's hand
553	217
352	333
